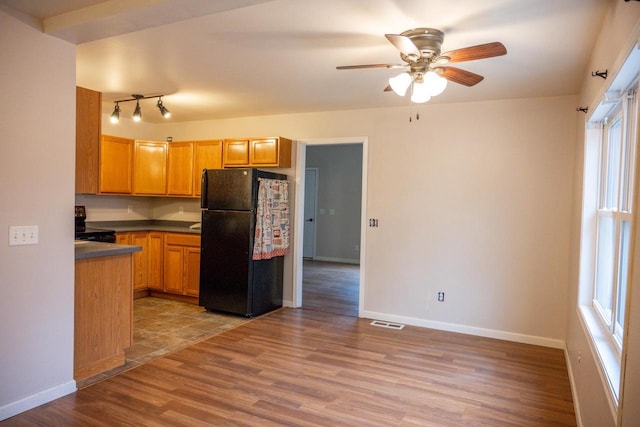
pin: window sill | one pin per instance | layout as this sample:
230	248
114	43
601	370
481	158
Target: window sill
607	352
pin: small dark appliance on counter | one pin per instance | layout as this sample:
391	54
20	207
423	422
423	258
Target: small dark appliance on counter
94	234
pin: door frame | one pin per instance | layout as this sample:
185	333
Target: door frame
315	216
301	162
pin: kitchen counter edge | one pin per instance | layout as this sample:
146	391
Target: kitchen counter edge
87	249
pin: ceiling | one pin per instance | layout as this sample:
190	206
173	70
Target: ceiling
218	59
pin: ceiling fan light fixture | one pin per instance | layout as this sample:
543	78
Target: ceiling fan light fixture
420	93
435	84
400	83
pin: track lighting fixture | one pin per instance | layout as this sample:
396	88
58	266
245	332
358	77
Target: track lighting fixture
115	116
137	113
165	113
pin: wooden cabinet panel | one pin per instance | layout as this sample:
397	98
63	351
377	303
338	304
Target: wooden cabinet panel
180	169
156	263
182	264
103	314
207	155
173	265
264	151
192	271
116	164
150	168
123	238
140	261
236	152
88	131
257	152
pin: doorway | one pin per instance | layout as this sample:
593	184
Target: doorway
329	258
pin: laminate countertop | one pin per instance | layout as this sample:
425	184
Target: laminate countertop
88	249
146	225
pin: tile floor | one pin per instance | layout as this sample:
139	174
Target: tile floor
163	326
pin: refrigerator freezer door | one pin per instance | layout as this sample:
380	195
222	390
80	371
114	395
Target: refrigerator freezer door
229	189
226	267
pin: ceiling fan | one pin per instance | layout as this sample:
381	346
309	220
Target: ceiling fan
420	49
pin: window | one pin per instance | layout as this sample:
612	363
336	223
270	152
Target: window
614	217
608	220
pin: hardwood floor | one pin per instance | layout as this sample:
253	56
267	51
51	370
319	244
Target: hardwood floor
298	367
330	286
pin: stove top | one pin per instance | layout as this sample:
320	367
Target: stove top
97	234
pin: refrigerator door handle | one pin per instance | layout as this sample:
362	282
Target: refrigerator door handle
204	192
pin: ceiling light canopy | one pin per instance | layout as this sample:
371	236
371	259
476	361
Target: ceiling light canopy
423	85
137	113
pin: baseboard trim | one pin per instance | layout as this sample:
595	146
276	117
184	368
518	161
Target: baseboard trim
30	402
572	385
340	260
469	330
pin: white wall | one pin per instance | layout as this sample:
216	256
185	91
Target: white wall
619	33
473	199
37	77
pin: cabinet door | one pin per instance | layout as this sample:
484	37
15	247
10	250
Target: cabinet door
150	168
192	271
236	152
156	270
180	169
140	260
116	164
88	130
123	238
173	269
207	155
264	151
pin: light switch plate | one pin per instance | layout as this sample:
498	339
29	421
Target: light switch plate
23	235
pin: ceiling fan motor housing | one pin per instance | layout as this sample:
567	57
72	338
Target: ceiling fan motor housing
427	40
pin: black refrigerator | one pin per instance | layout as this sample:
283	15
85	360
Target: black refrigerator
231	280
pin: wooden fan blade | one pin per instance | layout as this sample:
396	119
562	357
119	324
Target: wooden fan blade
388	88
471	53
404	45
355	67
456	75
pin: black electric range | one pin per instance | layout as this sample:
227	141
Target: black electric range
95	234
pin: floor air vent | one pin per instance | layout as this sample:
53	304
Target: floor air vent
388	325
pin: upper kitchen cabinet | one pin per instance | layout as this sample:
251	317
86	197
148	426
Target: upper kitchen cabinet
207	155
180	169
88	130
257	152
150	168
116	165
235	153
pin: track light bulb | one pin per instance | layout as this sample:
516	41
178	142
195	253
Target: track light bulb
165	113
137	114
115	116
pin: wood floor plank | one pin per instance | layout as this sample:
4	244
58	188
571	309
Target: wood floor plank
297	367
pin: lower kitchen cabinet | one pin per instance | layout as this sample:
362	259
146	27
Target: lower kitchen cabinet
140	259
156	260
182	264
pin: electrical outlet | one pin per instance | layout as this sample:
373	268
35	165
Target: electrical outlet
440	296
23	235
181	210
129	209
